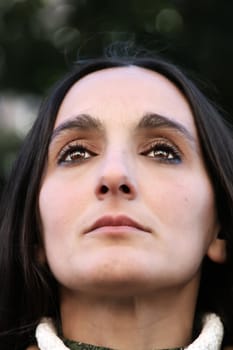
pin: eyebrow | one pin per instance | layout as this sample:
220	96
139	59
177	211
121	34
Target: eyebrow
149	121
154	120
80	122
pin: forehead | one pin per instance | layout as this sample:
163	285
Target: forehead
125	93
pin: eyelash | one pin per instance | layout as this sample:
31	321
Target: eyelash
72	149
166	152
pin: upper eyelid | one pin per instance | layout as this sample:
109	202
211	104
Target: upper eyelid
175	139
65	145
72	147
161	140
68	147
173	136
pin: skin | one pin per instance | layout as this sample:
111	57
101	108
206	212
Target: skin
122	287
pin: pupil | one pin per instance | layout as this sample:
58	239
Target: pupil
78	154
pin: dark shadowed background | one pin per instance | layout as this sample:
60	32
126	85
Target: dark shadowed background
40	40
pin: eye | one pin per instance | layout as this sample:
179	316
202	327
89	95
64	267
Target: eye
163	151
74	153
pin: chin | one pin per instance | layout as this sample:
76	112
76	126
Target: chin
119	280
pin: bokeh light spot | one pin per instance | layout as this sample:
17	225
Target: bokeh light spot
169	21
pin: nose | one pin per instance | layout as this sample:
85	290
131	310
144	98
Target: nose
116	179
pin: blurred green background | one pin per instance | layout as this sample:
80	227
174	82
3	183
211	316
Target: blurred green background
40	40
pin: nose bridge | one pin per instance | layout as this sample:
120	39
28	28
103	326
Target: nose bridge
116	174
116	163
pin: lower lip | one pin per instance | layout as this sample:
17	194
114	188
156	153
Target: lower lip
116	230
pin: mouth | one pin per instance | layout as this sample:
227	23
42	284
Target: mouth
116	223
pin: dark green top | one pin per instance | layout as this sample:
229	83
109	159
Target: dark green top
73	345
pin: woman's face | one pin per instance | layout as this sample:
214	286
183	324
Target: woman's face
126	204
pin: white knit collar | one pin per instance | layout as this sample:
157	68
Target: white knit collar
210	337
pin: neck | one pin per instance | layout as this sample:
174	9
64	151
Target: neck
139	322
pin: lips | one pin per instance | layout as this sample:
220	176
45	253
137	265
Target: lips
117	221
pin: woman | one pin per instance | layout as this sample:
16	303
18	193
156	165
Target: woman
116	221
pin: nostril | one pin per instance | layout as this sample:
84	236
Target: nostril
104	189
124	188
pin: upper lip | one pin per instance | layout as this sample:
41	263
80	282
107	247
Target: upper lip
120	220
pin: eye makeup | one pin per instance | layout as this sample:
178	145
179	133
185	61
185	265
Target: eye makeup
164	151
74	152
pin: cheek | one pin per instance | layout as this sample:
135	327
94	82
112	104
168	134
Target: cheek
61	202
184	204
185	220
